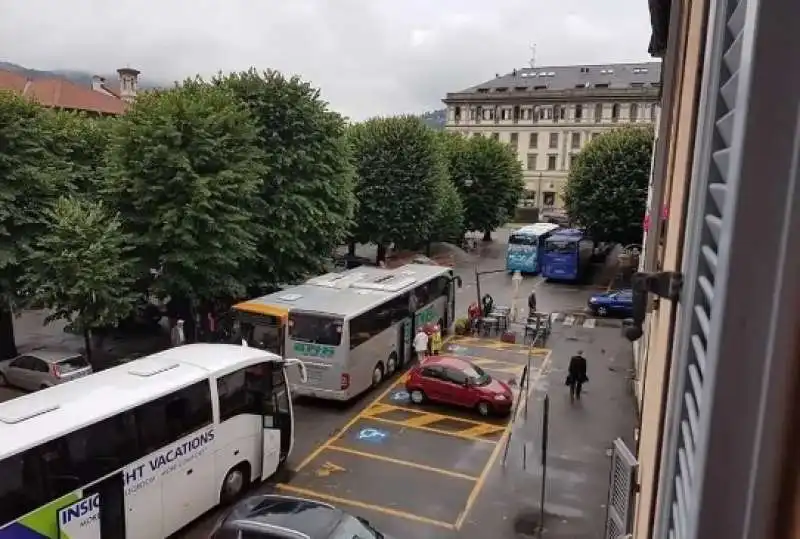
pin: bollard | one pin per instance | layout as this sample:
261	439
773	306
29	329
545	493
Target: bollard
525	456
545	432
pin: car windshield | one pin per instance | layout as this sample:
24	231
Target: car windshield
477	376
520	239
315	329
562	247
355	528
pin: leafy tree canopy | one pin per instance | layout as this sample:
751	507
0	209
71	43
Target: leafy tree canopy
80	143
187	171
488	175
448	222
82	268
606	191
400	168
306	180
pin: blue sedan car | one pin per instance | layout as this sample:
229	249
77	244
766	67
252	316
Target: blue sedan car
615	302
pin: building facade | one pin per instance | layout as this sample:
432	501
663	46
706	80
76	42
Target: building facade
548	114
718	362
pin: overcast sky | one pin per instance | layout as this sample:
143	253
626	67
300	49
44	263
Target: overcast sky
369	57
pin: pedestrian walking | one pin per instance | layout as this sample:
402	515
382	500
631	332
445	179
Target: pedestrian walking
576	375
421	344
177	336
532	303
436	340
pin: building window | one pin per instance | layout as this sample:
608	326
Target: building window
472	114
488	114
578	113
533	140
615	112
553	140
571	160
478	135
653	112
505	114
457	114
532	161
496	136
529	199
549	198
576	141
594	135
634	112
526	114
514	141
598	113
552	161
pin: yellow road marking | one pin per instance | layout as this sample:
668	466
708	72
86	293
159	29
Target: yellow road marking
361	505
328	468
489	365
392	407
401	462
380	408
479	484
483	430
314	454
422	420
454	434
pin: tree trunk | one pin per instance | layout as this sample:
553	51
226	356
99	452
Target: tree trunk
351	249
487	235
87	344
8	346
428	249
381	256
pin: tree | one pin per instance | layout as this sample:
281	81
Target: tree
82	268
606	190
448	221
29	180
186	170
306	181
488	175
81	142
400	168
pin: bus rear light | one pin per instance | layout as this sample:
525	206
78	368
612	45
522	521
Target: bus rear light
345	381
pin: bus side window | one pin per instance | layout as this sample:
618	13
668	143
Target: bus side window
243	392
169	418
20	486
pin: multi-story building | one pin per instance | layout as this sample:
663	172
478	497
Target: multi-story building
549	113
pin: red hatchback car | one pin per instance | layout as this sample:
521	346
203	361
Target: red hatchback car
451	380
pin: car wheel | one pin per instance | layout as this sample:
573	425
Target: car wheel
377	375
43	386
602	311
417	396
391	364
484	408
235	482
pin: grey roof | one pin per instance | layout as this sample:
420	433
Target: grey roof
578	76
345	300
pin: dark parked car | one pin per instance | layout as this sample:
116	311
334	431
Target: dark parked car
616	303
285	517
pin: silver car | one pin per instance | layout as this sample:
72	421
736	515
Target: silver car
39	369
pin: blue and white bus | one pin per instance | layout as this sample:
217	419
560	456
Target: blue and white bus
526	247
567	255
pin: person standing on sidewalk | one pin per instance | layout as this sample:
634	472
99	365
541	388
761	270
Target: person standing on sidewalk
421	344
436	340
576	375
177	336
532	303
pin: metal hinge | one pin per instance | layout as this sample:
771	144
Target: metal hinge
664	284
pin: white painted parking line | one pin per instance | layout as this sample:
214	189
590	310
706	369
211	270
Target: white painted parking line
589	323
568	321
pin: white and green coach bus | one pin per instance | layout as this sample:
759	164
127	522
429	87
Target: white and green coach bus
351	329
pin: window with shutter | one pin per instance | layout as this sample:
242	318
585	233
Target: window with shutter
705	261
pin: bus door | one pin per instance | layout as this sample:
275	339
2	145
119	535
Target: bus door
99	514
405	340
276	421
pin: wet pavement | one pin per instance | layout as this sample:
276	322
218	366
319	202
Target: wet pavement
398	463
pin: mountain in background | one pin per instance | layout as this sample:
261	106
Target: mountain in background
435	119
83	78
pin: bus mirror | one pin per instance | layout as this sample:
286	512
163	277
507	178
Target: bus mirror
300	366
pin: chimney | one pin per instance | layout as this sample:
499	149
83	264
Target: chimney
128	83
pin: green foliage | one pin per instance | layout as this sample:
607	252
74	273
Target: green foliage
29	182
606	191
448	221
488	175
80	143
400	169
187	169
306	178
82	267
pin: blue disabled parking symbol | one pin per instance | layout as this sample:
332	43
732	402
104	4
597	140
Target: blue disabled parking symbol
401	396
372	435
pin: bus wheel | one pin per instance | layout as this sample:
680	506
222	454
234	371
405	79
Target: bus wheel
234	483
377	375
391	364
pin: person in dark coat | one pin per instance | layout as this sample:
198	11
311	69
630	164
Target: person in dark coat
532	303
576	376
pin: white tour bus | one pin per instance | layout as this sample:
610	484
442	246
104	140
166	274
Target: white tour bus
142	449
351	329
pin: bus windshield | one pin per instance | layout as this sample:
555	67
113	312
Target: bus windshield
561	247
520	239
315	329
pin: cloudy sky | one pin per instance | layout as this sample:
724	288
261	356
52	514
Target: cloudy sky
369	57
